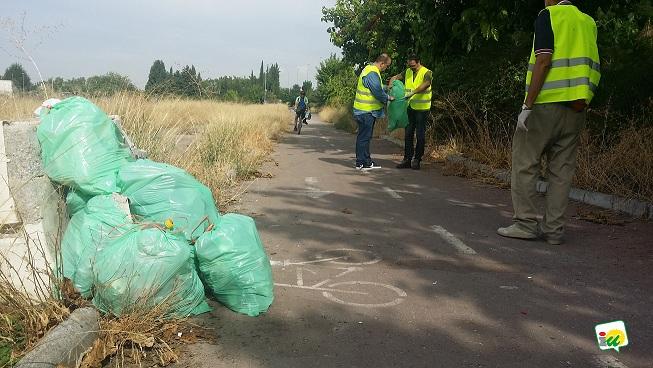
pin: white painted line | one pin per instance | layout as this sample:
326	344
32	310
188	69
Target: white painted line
392	193
400	293
348	270
608	361
321	289
452	240
300	277
312	192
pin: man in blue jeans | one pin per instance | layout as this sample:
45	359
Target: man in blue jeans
368	106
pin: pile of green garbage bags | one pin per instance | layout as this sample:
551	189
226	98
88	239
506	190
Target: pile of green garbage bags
144	234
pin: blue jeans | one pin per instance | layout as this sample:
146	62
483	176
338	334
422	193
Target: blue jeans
365	129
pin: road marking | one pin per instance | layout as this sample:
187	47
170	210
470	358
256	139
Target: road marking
608	361
312	192
348	270
327	294
342	260
311	181
392	193
300	276
452	240
321	289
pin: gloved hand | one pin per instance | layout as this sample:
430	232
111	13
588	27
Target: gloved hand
523	117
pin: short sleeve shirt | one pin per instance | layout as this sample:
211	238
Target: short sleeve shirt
544	41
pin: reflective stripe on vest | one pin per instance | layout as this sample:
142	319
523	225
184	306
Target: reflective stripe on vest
420	101
365	100
575	65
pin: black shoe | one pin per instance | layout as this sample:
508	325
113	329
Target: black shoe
405	164
295	129
415	165
305	123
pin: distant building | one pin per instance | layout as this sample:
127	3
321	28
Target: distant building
6	87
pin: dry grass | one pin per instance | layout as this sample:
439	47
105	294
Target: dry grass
219	143
25	316
340	117
624	169
17	107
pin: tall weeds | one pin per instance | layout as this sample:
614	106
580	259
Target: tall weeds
621	165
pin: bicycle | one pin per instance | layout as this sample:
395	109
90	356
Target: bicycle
354	259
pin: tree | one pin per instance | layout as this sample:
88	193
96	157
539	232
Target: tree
307	87
109	84
336	82
261	76
273	75
99	85
17	74
482	46
158	76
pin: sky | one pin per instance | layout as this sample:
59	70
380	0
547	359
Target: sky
75	38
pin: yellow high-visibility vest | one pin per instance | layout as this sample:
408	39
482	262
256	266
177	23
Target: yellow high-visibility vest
365	100
420	101
575	69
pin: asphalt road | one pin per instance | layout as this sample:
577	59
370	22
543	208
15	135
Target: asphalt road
402	268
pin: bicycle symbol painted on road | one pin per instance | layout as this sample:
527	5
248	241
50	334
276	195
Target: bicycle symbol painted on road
352	293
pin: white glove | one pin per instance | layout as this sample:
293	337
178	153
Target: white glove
523	117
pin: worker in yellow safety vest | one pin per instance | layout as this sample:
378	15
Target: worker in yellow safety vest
417	79
563	75
368	106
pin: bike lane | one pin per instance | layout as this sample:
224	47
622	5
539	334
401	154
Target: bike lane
403	269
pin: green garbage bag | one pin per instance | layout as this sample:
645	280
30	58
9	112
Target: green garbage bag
398	108
75	202
234	265
158	192
81	147
149	268
89	231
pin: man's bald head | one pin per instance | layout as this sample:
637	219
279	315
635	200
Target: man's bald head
383	61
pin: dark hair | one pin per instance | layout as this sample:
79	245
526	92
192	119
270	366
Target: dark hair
413	57
383	58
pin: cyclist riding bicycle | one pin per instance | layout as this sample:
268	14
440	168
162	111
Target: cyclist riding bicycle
301	108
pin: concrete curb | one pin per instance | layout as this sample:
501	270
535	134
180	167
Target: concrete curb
631	207
66	344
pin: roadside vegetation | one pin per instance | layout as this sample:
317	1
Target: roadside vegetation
479	55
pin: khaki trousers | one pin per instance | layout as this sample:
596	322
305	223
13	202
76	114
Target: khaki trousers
553	132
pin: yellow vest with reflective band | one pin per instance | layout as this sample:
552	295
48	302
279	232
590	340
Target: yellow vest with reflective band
365	100
421	101
575	66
